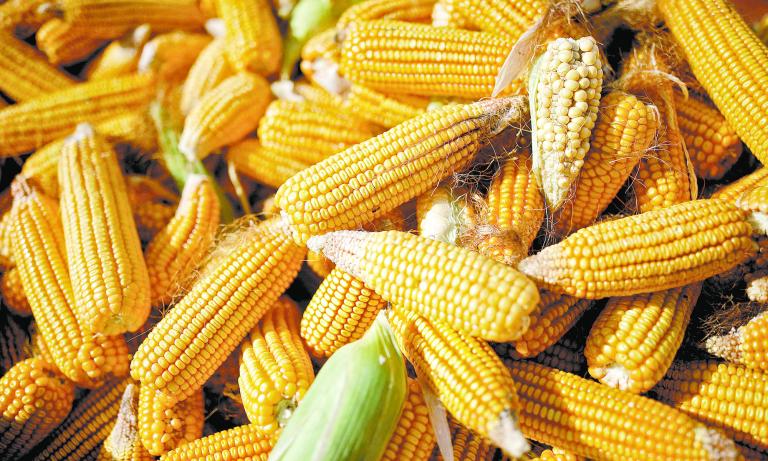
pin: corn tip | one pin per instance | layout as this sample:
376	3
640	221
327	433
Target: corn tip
506	434
215	27
82	131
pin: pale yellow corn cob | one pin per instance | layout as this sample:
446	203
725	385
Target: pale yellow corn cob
414	437
555	315
398	10
123	442
445	14
12	292
383	109
164	426
733	191
251	159
242	442
171	55
510	19
120	57
209	69
65	44
252	37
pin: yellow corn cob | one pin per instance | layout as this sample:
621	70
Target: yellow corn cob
120	57
467	445
24	73
175	251
242	442
711	31
564	90
99	229
634	340
164	426
109	19
6	241
565	355
34	399
81	434
209	69
502	17
65	44
252	38
171	55
733	191
251	159
24	14
319	63
319	264
445	14
41	257
153	205
13	294
721	395
34	123
592	420
383	109
460	369
414	437
553	318
647	252
556	455
746	345
359	184
275	370
445	214
398	10
123	442
448	62
711	142
13	343
225	114
219	310
624	130
340	311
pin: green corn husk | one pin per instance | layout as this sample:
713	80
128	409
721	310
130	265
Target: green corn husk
352	408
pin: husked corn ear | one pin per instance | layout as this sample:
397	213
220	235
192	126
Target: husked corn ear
81	434
164	426
405	269
32	124
383	109
252	37
721	395
12	292
340	311
634	340
715	39
319	63
219	310
64	43
120	57
41	257
367	180
590	419
34	399
711	142
6	240
555	315
445	13
243	442
467	445
647	252
564	89
262	165
225	114
414	438
13	342
209	69
275	370
398	10
502	17
24	14
625	128
746	345
176	250
448	62
461	369
123	442
99	229
733	191
565	355
153	204
171	55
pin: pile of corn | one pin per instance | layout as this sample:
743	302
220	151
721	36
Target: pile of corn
532	229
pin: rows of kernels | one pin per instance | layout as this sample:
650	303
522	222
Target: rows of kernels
554	316
413	438
163	426
12	292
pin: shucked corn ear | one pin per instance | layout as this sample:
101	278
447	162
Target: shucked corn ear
210	68
253	160
407	270
252	38
467	444
564	88
352	408
120	57
646	252
12	292
275	370
745	345
221	307
510	19
99	229
414	437
383	109
123	442
367	180
398	10
460	369
243	442
65	44
163	426
554	316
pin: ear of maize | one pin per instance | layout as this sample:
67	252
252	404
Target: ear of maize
746	345
64	44
163	426
120	57
414	438
24	14
554	317
467	445
648	252
383	109
565	355
123	442
12	292
209	69
397	10
262	165
171	55
252	37
359	184
320	58
243	442
634	340
510	19
733	191
445	13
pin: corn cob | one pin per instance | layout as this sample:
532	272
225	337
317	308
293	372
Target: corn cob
509	19
32	124
225	114
556	455
380	108
445	14
252	38
120	57
163	426
64	44
153	205
13	341
319	63
384	172
6	241
745	345
243	442
174	252
81	434
721	395
634	340
647	252
457	368
41	257
564	97
171	55
564	355
12	292
555	315
396	10
591	420
444	213
711	142
99	228
467	445
448	62
209	69
24	14
24	73
717	42
413	438
733	191
34	399
624	130
262	165
232	295
123	442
